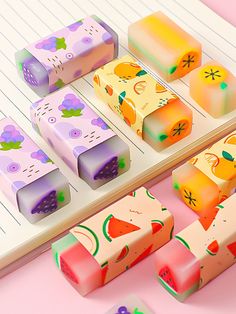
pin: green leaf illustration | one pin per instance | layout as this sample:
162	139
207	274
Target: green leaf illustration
71	113
122	97
227	156
141	73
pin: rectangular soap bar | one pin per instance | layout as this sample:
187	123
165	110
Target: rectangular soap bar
213	87
112	241
130	305
209	177
155	113
80	137
161	44
28	177
200	252
67	54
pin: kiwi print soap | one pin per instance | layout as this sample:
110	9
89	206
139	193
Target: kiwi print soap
67	54
28	177
80	137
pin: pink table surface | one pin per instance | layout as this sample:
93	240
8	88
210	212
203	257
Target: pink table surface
39	288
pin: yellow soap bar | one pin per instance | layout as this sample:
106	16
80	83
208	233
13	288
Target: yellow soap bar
164	46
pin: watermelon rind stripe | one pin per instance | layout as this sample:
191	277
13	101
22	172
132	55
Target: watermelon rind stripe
94	235
156	220
171	232
104	227
167	287
209	252
150	195
182	241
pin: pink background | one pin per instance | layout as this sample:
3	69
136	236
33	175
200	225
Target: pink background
39	288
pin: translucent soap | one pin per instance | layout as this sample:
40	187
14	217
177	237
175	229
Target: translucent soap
28	177
209	177
114	240
66	55
153	111
164	46
80	137
213	87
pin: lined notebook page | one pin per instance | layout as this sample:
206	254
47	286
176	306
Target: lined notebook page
23	22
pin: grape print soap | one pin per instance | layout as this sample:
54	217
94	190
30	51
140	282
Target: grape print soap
155	113
80	137
67	54
112	241
200	252
28	177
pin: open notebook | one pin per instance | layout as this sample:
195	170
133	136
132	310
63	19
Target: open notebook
22	22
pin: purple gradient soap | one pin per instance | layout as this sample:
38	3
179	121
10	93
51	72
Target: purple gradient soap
28	177
80	137
67	54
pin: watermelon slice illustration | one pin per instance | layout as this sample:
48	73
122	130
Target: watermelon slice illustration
213	248
145	253
182	241
68	272
150	195
232	248
207	220
156	226
104	270
132	193
90	238
124	252
114	228
167	278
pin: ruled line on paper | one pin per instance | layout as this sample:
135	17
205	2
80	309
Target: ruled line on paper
3	231
9	212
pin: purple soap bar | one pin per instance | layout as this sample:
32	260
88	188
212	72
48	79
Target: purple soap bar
67	54
80	137
28	177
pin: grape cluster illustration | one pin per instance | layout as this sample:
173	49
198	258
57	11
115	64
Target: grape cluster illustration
52	44
73	27
41	156
71	106
100	123
10	138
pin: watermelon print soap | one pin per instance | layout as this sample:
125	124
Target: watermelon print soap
66	55
165	47
200	252
80	137
28	177
213	87
112	241
209	177
155	113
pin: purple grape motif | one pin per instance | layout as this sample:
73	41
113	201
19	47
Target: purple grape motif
41	156
71	106
123	310
10	138
109	170
73	27
34	72
46	204
13	167
100	123
52	44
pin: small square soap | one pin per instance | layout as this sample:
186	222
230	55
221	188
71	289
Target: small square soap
80	137
164	46
28	177
213	87
153	111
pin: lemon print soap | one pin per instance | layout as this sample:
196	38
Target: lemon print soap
66	55
209	177
200	252
112	241
213	87
164	46
80	137
28	177
156	114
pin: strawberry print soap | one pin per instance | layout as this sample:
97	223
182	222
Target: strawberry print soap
28	177
200	252
66	55
155	113
112	241
80	137
165	47
213	87
209	177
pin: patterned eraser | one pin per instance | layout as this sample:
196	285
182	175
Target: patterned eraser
213	87
28	177
80	137
66	55
164	46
